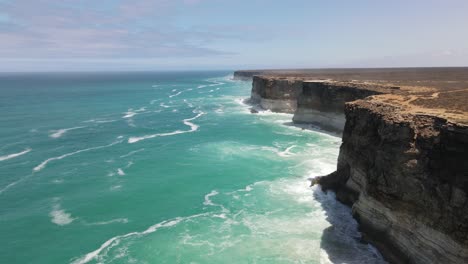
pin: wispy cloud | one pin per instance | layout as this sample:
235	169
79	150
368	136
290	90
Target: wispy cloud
66	29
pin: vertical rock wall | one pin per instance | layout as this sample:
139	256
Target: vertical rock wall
406	177
276	94
322	103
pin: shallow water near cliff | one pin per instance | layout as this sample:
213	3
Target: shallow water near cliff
162	168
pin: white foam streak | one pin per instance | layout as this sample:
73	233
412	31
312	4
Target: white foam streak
173	95
100	121
44	163
207	198
61	132
118	220
193	128
132	152
120	172
287	152
131	113
109	243
216	84
10	185
14	155
164	105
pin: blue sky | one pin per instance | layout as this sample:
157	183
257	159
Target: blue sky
49	35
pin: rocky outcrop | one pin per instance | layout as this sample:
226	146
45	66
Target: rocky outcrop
406	177
276	94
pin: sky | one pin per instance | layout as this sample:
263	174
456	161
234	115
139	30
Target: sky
108	35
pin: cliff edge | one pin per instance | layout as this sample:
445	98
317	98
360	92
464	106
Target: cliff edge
403	164
405	175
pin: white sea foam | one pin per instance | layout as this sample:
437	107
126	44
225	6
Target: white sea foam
193	128
216	83
12	184
44	163
164	105
176	94
132	152
14	155
113	221
100	121
115	240
131	113
209	202
287	152
60	217
120	172
61	132
208	196
201	86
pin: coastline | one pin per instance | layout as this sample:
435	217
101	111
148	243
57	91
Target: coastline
393	129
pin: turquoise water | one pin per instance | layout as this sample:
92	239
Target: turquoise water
162	168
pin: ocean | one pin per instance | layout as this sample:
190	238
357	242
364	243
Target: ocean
164	167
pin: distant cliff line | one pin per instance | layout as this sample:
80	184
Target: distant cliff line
402	164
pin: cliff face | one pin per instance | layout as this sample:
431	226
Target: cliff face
312	101
245	75
406	177
276	94
322	102
403	163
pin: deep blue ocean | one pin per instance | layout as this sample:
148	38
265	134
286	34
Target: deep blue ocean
167	167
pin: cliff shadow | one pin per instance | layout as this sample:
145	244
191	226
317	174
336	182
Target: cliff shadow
342	241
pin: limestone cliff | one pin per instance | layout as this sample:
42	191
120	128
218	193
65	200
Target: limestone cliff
322	102
406	177
403	162
276	94
245	75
